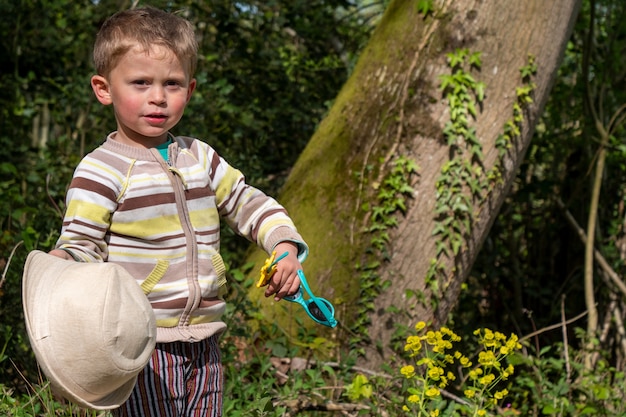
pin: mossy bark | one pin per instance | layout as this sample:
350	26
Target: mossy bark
392	105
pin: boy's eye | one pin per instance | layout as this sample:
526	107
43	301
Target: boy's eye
140	82
172	83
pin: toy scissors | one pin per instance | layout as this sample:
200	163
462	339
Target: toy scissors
319	309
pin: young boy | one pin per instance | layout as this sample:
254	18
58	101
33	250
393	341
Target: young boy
152	203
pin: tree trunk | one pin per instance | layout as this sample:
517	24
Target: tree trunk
393	106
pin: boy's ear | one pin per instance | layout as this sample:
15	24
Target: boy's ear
101	89
190	88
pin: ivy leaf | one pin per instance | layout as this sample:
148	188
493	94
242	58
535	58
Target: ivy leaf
424	7
475	60
479	89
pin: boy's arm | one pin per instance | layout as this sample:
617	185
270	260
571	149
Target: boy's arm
250	212
90	200
261	219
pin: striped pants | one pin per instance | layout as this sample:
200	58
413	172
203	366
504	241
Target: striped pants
182	379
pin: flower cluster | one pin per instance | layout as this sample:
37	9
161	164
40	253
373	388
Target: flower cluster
482	380
434	354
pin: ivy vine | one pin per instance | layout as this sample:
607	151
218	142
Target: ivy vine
463	180
391	200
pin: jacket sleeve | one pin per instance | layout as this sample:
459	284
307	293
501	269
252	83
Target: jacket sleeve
90	200
250	212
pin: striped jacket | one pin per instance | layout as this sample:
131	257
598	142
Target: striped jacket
161	221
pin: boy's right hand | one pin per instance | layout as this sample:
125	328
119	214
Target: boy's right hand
59	253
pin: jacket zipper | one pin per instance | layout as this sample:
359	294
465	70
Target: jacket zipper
179	185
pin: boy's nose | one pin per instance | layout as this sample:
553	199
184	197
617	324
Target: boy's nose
157	95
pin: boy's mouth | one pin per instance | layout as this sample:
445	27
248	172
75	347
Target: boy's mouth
156	118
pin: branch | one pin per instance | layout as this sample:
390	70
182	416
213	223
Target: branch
568	367
54	204
553	326
598	256
6	267
592	322
305	404
619	325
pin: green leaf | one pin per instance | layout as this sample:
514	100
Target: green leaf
424	7
359	388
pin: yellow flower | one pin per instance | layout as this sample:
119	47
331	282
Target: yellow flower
420	325
465	362
513	342
432	392
500	394
435	373
413	344
481	413
413	398
489	339
469	393
453	336
475	373
425	361
413	340
487	379
487	359
434	413
405	408
408	371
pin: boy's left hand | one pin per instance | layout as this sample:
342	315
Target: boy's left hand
285	280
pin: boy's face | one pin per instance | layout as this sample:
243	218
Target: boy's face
149	92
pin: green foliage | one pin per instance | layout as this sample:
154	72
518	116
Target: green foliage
462	180
554	382
266	76
391	199
39	403
438	363
511	130
359	388
533	258
425	7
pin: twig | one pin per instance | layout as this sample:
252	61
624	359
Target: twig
619	325
54	204
336	365
568	368
453	397
553	326
6	267
307	405
598	256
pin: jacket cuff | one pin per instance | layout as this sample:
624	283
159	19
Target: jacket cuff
287	234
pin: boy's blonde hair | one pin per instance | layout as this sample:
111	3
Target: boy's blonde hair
144	27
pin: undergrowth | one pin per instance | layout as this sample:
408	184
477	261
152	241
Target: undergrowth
267	374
